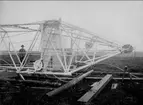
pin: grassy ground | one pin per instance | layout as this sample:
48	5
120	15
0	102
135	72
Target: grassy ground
134	61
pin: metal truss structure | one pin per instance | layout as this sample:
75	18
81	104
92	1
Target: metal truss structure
63	48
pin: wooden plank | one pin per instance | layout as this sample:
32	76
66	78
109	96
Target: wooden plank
115	78
69	84
32	82
96	89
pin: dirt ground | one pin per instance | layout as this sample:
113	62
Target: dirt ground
127	93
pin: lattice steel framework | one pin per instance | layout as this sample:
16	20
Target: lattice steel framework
63	48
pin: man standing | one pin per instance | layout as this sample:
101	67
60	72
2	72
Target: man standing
22	53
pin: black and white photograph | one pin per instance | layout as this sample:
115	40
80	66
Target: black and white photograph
71	52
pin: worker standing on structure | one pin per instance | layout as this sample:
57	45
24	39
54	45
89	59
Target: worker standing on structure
22	53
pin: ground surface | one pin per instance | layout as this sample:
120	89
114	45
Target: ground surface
127	93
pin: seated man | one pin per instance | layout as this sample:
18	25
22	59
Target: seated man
22	53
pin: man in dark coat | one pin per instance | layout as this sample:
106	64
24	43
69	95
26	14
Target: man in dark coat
22	53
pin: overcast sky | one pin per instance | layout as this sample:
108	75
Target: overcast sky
120	21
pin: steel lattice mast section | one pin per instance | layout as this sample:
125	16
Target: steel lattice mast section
9	30
64	48
61	51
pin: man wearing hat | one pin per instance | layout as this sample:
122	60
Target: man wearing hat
22	52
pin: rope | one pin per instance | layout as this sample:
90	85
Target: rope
119	69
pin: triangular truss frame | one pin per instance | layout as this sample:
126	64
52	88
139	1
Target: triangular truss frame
82	48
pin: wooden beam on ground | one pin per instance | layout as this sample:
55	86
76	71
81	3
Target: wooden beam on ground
32	82
115	78
41	88
116	72
96	89
69	84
